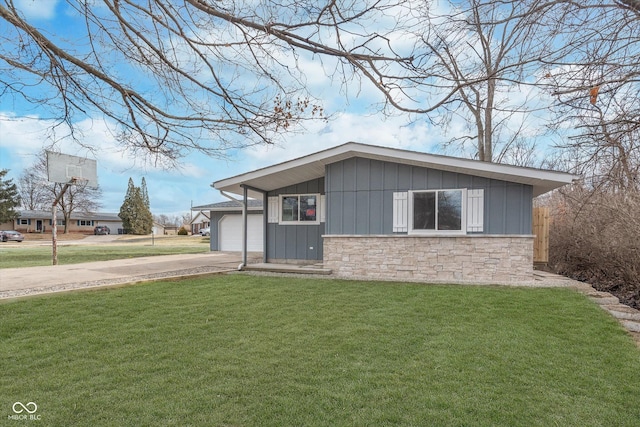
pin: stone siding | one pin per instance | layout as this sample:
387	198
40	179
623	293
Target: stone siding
470	258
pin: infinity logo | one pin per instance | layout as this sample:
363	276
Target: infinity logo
30	407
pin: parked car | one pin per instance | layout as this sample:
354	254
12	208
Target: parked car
205	231
7	235
101	229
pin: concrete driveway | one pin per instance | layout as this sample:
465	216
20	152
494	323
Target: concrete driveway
17	282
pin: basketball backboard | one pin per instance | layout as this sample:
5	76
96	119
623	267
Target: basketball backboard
64	169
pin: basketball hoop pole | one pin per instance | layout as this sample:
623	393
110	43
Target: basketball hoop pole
54	228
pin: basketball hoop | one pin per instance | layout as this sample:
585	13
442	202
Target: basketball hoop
78	180
67	170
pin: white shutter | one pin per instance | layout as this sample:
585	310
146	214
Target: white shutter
400	212
273	208
475	210
323	209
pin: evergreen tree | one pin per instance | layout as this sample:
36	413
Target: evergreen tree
144	192
128	210
144	217
136	216
9	198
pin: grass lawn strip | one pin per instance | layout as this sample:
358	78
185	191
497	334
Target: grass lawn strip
251	350
41	255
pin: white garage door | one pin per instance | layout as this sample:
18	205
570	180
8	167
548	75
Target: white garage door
230	229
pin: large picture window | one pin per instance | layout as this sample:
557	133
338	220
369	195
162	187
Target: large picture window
437	211
299	209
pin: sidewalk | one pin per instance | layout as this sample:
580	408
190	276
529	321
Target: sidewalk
16	282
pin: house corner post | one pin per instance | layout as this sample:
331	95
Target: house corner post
245	192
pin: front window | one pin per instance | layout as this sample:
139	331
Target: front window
299	209
439	210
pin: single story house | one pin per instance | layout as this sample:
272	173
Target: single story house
370	211
226	225
34	221
201	219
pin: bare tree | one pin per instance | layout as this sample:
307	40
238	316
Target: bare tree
477	60
77	198
175	76
606	146
33	190
595	80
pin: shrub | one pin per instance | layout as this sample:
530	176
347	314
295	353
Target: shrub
183	232
595	237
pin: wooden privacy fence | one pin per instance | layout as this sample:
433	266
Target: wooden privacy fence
541	231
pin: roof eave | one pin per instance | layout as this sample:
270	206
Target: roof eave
313	166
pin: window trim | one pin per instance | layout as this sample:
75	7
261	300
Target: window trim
298	222
463	212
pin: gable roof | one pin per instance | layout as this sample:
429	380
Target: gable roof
97	216
313	166
201	216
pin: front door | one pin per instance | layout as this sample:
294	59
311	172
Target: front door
39	225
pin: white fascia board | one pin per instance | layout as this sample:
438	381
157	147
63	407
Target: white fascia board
234	209
467	166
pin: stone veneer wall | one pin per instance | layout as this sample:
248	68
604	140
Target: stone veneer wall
469	258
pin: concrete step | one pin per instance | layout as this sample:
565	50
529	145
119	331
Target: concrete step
289	268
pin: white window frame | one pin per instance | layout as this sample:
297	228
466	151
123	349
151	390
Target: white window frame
463	212
298	222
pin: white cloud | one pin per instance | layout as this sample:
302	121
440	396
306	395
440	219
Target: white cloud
37	9
346	127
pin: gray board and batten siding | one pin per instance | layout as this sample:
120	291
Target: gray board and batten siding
296	242
359	196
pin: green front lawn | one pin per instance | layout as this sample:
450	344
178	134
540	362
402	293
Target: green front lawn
32	256
239	350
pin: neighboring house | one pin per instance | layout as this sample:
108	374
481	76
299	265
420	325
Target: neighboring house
227	225
368	211
171	230
201	220
158	229
40	222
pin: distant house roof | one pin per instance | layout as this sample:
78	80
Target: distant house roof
75	215
252	204
313	166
